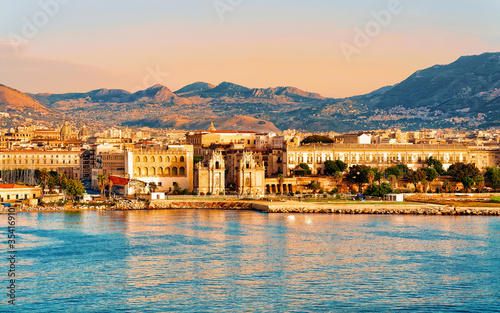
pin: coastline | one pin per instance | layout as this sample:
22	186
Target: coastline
270	207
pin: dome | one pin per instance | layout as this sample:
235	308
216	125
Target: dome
212	127
83	132
65	131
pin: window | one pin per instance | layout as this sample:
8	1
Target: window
182	159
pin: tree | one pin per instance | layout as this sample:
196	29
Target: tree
337	178
197	159
468	182
331	167
431	173
153	187
479	181
446	186
281	178
460	171
399	171
305	167
314	185
493	174
379	190
317	139
415	177
358	174
392	180
110	185
370	176
44	177
101	180
75	188
435	164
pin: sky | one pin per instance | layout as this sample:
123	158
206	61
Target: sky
337	48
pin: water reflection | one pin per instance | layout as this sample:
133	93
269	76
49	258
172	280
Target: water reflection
202	260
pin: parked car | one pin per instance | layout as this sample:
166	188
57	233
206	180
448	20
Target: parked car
359	197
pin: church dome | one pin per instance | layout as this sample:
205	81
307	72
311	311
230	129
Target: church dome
83	132
65	131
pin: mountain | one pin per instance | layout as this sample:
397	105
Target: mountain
12	100
468	83
465	94
194	89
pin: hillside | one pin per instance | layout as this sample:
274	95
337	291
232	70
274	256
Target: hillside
465	93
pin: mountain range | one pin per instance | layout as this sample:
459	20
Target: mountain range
465	94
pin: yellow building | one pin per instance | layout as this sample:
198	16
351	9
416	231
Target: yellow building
61	161
164	167
384	156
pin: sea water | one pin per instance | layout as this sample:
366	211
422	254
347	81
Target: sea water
216	261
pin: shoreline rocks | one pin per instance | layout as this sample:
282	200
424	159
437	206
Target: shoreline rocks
282	207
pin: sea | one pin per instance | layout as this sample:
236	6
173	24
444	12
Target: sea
245	261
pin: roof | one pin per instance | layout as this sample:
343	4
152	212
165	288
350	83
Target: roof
226	131
13	186
118	180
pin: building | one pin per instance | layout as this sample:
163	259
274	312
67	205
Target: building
164	167
210	175
13	192
61	161
383	156
203	139
250	178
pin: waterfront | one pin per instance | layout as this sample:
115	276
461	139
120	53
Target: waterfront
211	260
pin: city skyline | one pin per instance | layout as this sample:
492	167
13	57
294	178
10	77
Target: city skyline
336	49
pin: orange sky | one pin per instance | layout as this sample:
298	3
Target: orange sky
81	46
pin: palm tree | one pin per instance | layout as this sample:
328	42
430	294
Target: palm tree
110	184
44	177
281	178
101	179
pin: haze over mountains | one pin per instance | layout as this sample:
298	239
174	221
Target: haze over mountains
465	93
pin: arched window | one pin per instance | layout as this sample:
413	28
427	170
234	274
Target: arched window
182	171
138	159
160	171
160	159
174	171
174	159
167	171
145	172
152	171
145	159
153	159
137	171
167	159
217	165
182	159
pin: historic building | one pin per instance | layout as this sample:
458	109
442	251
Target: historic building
250	178
203	139
210	175
164	166
384	156
61	161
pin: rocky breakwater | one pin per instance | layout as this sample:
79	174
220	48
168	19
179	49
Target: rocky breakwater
129	205
414	209
211	205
